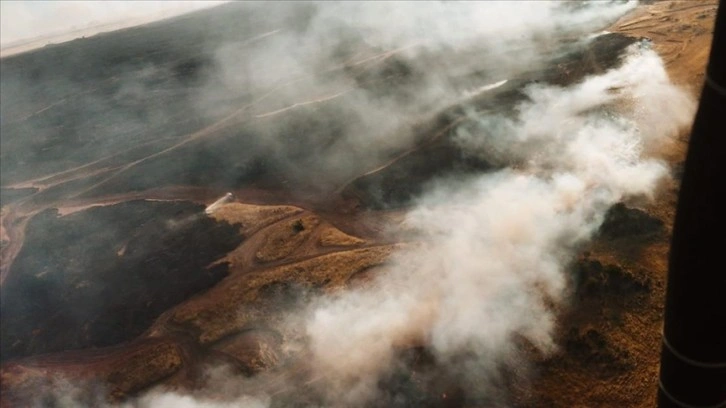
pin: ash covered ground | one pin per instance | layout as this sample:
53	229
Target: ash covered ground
447	204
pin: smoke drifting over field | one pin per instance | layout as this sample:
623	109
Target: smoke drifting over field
496	246
491	268
433	54
310	93
487	274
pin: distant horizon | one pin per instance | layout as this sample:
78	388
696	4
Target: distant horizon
27	25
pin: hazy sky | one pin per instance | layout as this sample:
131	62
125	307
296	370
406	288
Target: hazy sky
24	20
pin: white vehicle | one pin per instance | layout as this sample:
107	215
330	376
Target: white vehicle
215	205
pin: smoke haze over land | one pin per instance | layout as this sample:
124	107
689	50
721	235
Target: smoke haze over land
497	246
485	271
491	269
367	80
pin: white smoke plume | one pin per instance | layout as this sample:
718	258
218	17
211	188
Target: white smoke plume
491	264
442	44
173	400
497	246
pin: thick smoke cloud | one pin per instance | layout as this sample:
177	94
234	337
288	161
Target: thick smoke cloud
441	49
496	246
489	267
315	92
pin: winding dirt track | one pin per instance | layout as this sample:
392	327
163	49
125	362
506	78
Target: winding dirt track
181	338
16	215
